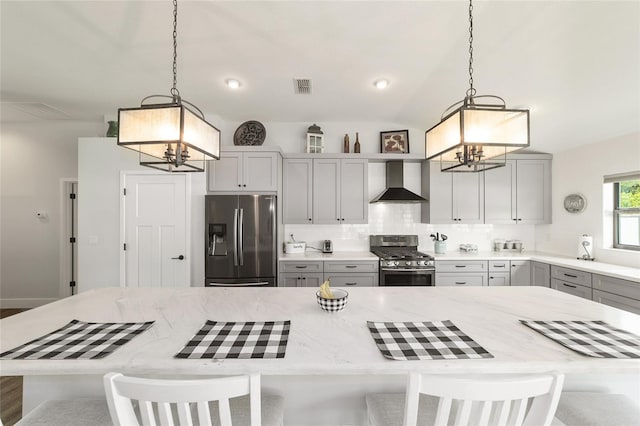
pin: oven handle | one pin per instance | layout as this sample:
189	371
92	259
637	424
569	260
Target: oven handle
407	270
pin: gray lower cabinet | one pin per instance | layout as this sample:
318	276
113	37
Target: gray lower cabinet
469	279
617	292
571	275
341	273
499	279
520	271
540	274
571	288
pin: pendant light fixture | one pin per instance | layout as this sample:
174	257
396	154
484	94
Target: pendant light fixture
475	136
173	136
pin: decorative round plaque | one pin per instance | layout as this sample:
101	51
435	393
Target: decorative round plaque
250	133
575	203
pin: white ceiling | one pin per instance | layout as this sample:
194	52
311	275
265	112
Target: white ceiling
576	64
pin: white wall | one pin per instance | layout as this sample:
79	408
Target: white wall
35	156
100	163
405	219
581	170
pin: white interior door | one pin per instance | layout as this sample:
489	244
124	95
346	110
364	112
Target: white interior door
156	230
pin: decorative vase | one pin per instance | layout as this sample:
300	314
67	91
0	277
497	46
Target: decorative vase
112	131
356	146
346	144
440	247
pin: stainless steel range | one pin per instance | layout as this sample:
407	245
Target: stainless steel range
401	264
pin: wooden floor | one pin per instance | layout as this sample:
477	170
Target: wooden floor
10	389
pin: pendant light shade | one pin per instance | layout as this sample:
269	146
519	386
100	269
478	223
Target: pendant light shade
472	136
168	137
171	136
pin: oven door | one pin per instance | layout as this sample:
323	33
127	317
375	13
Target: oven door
407	277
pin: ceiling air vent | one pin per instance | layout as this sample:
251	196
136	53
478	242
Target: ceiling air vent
302	86
38	110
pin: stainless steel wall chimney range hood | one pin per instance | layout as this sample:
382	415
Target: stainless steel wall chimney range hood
395	191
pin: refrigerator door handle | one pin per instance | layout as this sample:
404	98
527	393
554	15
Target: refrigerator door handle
235	237
241	237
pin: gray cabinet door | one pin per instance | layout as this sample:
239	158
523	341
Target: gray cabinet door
617	301
260	171
520	272
440	200
311	280
354	203
288	279
533	197
468	197
540	274
500	194
225	174
499	279
326	191
297	178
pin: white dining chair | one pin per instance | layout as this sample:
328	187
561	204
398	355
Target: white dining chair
225	401
597	409
463	400
68	412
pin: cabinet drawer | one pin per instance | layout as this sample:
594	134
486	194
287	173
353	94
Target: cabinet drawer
301	267
499	265
620	302
499	279
571	288
571	275
461	266
461	280
617	286
333	266
352	280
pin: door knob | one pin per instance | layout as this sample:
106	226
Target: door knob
181	257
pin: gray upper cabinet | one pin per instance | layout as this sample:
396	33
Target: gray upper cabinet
453	197
244	171
519	193
325	191
297	183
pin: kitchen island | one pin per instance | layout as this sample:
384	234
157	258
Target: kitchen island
331	360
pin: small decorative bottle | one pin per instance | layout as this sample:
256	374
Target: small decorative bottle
346	143
112	131
356	146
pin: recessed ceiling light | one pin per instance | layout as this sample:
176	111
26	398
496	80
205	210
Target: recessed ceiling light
381	84
233	83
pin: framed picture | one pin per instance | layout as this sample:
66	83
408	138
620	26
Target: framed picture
394	142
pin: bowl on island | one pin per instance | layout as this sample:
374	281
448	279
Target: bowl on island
335	304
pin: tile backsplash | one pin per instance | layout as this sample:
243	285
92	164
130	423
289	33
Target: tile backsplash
405	219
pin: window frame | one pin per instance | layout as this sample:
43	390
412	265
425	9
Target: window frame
617	213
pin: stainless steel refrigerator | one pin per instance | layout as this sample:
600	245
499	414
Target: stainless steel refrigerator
240	240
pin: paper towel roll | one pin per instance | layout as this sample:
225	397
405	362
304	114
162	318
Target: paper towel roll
585	247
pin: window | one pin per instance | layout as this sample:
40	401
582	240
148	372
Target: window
626	213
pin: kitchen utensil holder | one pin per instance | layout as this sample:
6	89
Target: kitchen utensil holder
440	247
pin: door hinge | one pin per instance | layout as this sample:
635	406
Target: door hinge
72	240
124	191
72	283
125	246
72	196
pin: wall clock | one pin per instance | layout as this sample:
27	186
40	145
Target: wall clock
575	203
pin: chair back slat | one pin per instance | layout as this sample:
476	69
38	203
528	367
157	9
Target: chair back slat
168	401
496	400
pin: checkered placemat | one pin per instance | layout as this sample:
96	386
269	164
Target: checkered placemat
592	338
242	340
79	340
424	340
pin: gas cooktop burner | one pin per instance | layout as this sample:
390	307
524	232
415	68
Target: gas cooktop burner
401	255
400	252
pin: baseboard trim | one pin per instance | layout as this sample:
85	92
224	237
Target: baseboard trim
24	303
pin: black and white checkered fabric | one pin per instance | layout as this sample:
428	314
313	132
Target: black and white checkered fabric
79	340
424	340
592	338
241	340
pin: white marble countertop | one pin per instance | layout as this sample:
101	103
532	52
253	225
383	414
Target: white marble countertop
320	343
337	255
622	272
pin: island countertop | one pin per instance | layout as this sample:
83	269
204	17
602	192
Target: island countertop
320	343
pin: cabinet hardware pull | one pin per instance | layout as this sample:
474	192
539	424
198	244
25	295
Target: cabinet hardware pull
350	283
244	185
351	266
463	282
498	266
239	185
569	285
519	219
569	275
338	219
301	267
309	219
304	278
461	266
